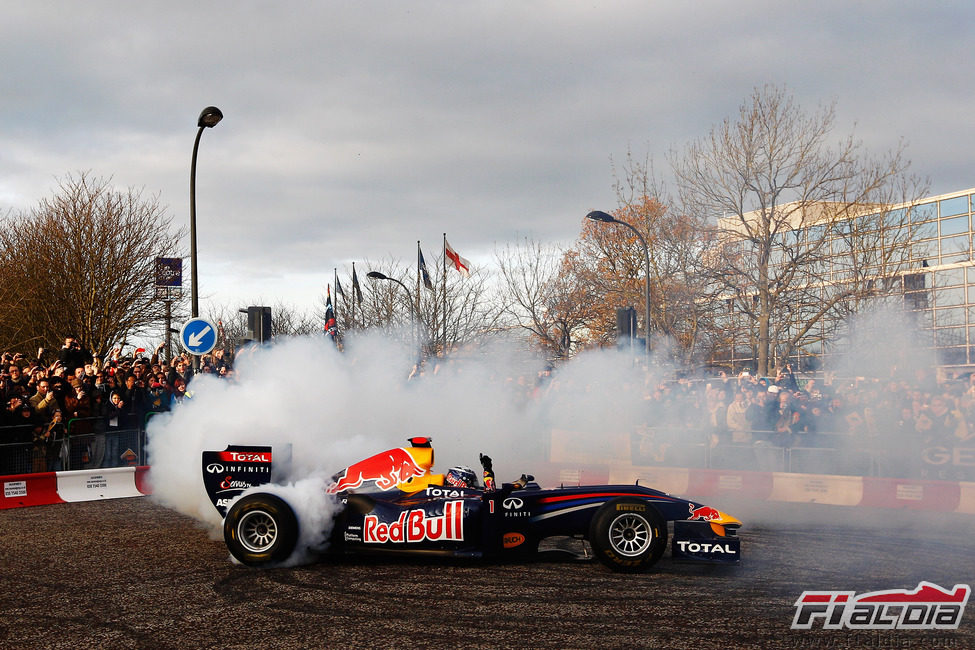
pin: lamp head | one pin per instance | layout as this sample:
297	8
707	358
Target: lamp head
376	275
599	215
209	117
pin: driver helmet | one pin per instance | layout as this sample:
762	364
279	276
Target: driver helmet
460	476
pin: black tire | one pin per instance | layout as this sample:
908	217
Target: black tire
628	535
261	530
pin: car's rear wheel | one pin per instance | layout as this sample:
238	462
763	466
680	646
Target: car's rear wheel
260	529
628	534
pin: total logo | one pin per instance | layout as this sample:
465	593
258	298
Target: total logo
445	493
416	526
704	547
244	457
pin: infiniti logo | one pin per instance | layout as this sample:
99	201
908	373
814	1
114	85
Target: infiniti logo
513	504
214	468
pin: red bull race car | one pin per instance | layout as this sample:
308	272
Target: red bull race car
394	503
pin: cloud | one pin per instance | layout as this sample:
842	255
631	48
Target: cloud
352	130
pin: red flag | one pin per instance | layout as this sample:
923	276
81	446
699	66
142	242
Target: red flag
331	327
462	265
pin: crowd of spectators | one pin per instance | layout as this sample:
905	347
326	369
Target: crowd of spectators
54	398
902	425
895	420
877	426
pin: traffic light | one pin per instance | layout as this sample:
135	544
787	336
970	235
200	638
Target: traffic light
625	322
258	324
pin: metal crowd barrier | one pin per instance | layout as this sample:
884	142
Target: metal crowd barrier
88	444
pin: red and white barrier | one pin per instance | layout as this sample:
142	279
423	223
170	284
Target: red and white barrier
852	491
855	491
45	488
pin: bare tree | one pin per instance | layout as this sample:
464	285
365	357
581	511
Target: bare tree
804	226
83	263
471	312
545	296
681	309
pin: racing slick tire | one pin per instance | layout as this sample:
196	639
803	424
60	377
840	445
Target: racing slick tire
628	535
260	530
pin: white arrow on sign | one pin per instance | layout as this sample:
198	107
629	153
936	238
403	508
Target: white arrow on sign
197	339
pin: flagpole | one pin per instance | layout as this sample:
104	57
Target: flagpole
353	296
418	274
416	311
445	295
335	281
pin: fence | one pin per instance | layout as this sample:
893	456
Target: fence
87	444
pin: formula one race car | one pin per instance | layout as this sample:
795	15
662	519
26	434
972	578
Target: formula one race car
393	503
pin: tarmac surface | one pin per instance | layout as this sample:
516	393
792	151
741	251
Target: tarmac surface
128	573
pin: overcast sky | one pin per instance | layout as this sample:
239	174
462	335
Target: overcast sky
354	129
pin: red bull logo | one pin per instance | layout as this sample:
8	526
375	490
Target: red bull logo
703	513
417	526
386	470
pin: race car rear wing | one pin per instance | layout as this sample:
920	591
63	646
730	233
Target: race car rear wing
229	472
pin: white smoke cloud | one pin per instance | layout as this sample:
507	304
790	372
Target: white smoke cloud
334	409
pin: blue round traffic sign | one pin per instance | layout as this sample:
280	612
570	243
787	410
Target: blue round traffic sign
198	336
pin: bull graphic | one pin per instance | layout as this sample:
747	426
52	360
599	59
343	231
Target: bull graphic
386	469
705	513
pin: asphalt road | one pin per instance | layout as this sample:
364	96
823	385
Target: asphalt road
129	573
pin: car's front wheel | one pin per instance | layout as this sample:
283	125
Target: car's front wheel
260	530
628	534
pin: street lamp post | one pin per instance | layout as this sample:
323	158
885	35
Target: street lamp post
376	275
209	118
598	215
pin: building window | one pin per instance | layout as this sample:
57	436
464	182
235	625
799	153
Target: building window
915	281
955	249
954	297
949	278
957	205
949	317
952	356
954	226
924	212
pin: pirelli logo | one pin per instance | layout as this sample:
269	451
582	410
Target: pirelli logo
630	507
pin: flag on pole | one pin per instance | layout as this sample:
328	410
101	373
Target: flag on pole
356	289
423	271
338	288
331	328
463	266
